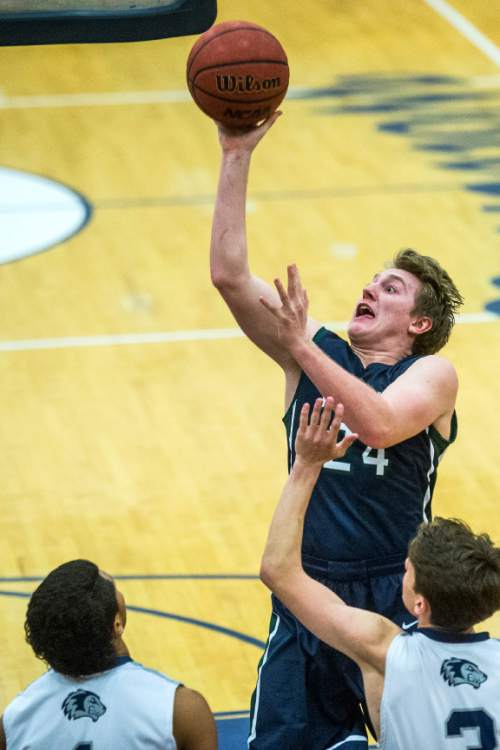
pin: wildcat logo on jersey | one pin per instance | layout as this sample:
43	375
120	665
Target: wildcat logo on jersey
83	703
462	672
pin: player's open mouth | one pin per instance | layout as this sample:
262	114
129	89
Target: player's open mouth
363	310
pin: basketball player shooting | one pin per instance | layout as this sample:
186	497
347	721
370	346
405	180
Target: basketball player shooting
398	396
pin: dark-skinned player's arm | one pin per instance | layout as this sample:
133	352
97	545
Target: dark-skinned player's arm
229	267
194	725
423	395
364	636
3	741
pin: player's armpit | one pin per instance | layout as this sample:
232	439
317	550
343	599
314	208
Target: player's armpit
194	724
363	636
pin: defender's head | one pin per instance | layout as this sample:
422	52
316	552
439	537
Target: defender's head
452	575
75	619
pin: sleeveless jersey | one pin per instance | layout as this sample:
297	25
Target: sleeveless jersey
441	692
127	706
369	503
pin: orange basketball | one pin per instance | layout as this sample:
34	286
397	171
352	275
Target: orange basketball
237	73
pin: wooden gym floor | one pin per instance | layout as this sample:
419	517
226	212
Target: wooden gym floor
161	455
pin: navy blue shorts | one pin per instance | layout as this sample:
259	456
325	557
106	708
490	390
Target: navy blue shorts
308	695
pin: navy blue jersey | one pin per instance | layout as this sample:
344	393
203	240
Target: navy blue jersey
369	503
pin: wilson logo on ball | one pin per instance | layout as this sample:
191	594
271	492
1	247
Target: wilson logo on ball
246	84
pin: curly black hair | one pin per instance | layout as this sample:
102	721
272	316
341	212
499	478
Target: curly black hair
69	620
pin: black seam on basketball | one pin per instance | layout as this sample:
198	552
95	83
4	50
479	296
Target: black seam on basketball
234	101
229	31
222	33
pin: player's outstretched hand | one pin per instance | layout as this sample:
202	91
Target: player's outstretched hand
244	139
291	315
317	435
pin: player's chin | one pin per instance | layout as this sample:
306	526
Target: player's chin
358	326
361	333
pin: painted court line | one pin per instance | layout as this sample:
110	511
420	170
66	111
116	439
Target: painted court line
109	98
163	96
466	28
170	337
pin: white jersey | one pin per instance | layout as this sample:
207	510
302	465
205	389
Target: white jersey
127	707
441	692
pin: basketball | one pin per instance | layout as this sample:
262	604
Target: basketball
237	73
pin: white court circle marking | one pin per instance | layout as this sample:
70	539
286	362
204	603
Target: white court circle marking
36	213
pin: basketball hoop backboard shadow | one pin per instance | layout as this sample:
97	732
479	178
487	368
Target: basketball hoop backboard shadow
25	22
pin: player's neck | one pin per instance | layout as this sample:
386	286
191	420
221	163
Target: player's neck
386	356
425	622
121	647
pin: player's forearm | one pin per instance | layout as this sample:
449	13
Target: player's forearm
365	411
281	568
228	252
282	554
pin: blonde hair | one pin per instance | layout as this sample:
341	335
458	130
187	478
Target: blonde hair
439	299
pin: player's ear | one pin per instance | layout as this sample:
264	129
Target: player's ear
118	626
421	606
420	325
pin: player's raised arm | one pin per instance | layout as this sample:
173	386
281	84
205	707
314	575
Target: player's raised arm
364	636
229	266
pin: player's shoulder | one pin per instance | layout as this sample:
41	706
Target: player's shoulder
194	724
435	366
187	699
35	692
39	684
437	360
139	669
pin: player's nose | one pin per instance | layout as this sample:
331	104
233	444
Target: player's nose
369	291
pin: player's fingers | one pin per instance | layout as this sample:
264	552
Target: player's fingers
317	411
282	293
345	444
294	283
303	418
292	280
271	120
327	412
337	419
